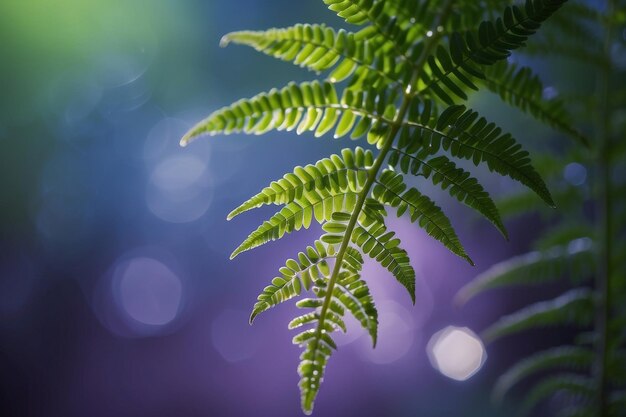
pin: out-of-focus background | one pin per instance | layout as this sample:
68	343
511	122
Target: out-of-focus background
116	293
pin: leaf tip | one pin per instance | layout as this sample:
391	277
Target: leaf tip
502	229
549	200
188	137
225	41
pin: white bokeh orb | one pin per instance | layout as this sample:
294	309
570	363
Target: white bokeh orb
456	352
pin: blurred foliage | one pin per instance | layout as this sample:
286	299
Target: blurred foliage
583	244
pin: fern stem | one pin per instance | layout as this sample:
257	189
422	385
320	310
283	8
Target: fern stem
603	273
430	43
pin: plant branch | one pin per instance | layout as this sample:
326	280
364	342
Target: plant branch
603	274
373	171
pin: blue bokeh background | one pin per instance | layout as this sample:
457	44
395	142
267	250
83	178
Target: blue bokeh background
116	293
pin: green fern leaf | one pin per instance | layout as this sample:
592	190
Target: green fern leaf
370	234
533	268
391	190
318	205
492	42
356	12
399	51
563	357
308	106
310	46
374	14
295	275
385	32
575	307
465	135
350	293
354	295
318	347
319	48
444	173
520	88
335	174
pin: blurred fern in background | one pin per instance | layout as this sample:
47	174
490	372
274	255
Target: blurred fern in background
583	246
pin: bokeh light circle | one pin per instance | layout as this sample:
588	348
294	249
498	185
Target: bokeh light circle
396	334
575	173
149	292
141	294
180	189
456	352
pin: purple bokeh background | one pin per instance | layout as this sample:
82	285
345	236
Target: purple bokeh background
116	293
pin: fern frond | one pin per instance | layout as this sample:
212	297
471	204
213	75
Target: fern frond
354	294
573	384
538	267
374	14
444	80
444	173
575	307
294	276
320	48
387	63
464	134
562	357
348	292
318	346
316	47
318	205
336	173
371	235
391	190
522	89
356	12
308	106
492	42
